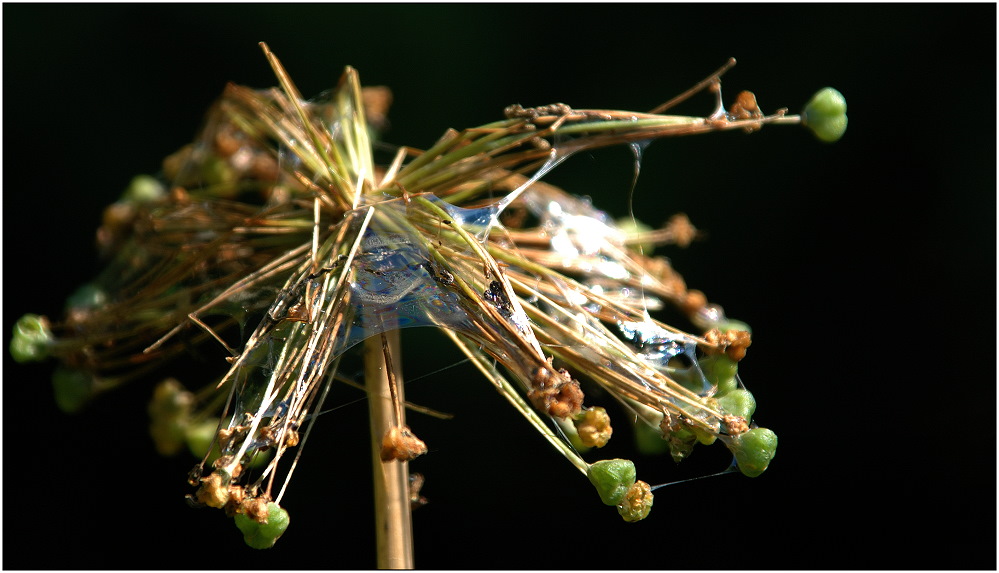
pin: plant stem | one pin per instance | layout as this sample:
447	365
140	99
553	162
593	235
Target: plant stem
393	524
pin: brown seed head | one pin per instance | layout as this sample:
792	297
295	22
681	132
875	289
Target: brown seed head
745	106
735	425
715	341
637	502
255	508
401	444
555	393
681	230
594	427
224	436
738	342
694	301
212	491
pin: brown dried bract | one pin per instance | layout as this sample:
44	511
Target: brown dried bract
255	508
416	500
532	113
680	230
270	435
733	343
738	342
214	492
376	101
745	107
401	444
735	425
226	142
556	393
694	301
237	494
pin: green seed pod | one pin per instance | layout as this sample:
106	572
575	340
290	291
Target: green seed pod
31	340
825	115
612	478
703	435
632	226
72	388
753	450
263	535
144	189
648	440
216	172
720	370
732	324
170	416
88	296
681	444
738	402
637	504
200	437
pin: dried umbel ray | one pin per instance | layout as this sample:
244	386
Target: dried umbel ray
280	211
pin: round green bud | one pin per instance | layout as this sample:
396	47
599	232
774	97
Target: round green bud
72	388
738	402
87	296
263	535
720	370
827	102
612	478
732	324
31	340
144	189
753	450
703	435
648	440
631	226
200	437
825	115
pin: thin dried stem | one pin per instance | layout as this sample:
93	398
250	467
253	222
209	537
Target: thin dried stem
393	523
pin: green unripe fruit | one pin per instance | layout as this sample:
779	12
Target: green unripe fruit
144	189
648	440
200	437
753	450
263	535
733	324
739	402
612	478
825	115
216	171
720	370
31	340
632	226
703	436
72	389
87	297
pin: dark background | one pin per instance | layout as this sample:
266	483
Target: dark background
866	268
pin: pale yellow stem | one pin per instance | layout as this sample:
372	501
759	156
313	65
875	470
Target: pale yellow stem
393	523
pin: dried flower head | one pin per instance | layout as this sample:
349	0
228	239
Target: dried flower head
279	211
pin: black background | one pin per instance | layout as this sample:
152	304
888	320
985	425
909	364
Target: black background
866	268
